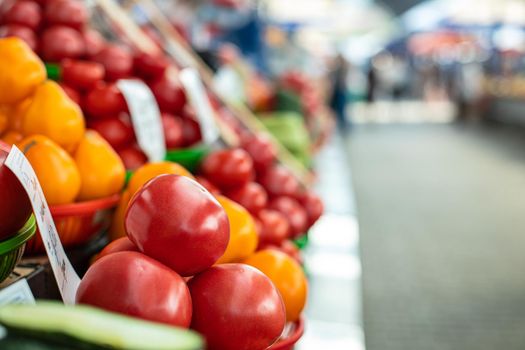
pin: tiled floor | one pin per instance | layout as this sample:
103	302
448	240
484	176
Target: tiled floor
334	317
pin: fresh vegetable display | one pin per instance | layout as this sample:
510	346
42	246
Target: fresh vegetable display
202	254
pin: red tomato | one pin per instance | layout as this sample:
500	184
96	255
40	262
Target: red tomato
278	181
59	42
71	13
133	284
116	131
71	93
172	131
24	12
169	93
94	42
82	75
261	149
104	100
228	168
208	185
293	211
123	244
21	32
149	66
191	132
132	157
236	307
117	61
176	221
251	196
313	205
15	207
274	227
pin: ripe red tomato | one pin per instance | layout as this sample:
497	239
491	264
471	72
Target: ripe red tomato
71	13
104	101
169	93
191	131
117	61
24	12
59	42
149	66
236	307
21	32
261	149
278	181
274	227
116	131
250	195
83	75
123	244
228	168
293	211
94	42
176	221
71	93
172	131
208	185
313	205
132	157
133	284
15	207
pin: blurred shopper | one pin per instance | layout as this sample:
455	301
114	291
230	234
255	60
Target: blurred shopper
338	100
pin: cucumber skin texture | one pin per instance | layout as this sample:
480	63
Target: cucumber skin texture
27	340
20	321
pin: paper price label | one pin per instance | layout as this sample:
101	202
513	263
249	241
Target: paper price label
67	278
145	117
17	293
196	93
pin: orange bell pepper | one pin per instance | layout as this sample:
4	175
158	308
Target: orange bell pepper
117	229
11	137
243	234
101	169
53	114
4	120
55	168
151	170
21	71
17	113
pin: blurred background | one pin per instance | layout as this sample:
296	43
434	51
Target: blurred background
419	106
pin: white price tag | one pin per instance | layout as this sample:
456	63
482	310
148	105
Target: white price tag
145	116
67	278
17	293
196	93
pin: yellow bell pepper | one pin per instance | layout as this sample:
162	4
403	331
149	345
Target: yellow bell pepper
101	169
55	168
243	234
53	114
21	71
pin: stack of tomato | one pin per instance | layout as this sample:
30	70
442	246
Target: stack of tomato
181	264
89	67
282	208
71	163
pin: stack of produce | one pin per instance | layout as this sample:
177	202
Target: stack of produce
88	67
186	260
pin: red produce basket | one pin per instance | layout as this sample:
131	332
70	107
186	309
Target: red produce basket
290	337
77	223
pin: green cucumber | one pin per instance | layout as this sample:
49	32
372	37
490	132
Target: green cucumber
52	325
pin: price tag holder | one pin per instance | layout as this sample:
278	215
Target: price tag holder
17	293
67	278
196	93
145	117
